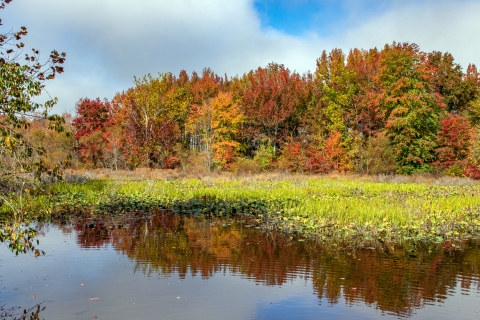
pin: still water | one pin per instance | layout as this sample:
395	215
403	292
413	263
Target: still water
170	267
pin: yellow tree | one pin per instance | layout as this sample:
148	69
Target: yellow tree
157	107
216	122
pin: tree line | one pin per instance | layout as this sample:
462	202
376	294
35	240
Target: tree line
397	109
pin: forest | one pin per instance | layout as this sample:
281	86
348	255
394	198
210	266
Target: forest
394	110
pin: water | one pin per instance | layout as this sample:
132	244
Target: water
170	267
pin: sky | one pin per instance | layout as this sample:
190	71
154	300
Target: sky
108	42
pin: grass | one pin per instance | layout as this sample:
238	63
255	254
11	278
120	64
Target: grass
345	209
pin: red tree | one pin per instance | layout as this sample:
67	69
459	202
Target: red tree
92	117
453	140
269	100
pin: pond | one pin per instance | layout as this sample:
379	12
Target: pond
172	267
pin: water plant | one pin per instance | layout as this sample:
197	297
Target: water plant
342	209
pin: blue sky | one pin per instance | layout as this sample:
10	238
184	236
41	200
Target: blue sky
298	17
324	17
108	42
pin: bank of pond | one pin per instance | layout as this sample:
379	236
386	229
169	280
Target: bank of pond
358	212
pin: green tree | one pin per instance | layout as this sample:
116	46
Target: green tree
410	108
22	80
20	83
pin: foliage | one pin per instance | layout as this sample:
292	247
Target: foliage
410	109
453	141
473	160
216	123
334	152
157	108
265	156
19	238
379	155
269	100
90	122
395	102
21	84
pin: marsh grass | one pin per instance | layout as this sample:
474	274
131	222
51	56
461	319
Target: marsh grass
326	208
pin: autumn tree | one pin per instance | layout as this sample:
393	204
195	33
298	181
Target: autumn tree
114	133
456	88
409	107
157	108
269	101
453	141
364	114
90	122
336	81
217	122
199	124
22	78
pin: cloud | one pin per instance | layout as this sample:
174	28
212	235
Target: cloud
447	26
108	42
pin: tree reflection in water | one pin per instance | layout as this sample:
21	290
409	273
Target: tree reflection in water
17	313
395	281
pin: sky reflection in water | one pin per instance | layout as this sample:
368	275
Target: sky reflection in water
175	268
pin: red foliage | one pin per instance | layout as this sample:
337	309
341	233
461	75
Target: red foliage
270	98
226	153
305	157
172	162
472	172
334	152
366	115
91	116
453	140
206	87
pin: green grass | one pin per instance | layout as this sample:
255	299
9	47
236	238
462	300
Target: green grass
325	208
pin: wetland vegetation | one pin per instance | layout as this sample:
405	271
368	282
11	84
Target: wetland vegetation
354	212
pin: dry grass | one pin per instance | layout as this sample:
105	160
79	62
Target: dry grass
142	174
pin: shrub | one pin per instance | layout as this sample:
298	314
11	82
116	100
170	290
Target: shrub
455	170
245	166
265	156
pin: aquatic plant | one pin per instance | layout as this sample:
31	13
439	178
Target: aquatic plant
347	210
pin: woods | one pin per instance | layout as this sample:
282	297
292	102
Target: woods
394	110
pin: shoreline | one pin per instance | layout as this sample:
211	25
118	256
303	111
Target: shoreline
339	209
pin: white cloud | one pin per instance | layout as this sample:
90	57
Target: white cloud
109	41
447	26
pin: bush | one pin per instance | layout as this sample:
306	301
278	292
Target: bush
264	157
245	166
455	170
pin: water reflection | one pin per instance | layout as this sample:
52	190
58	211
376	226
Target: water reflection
17	313
396	281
